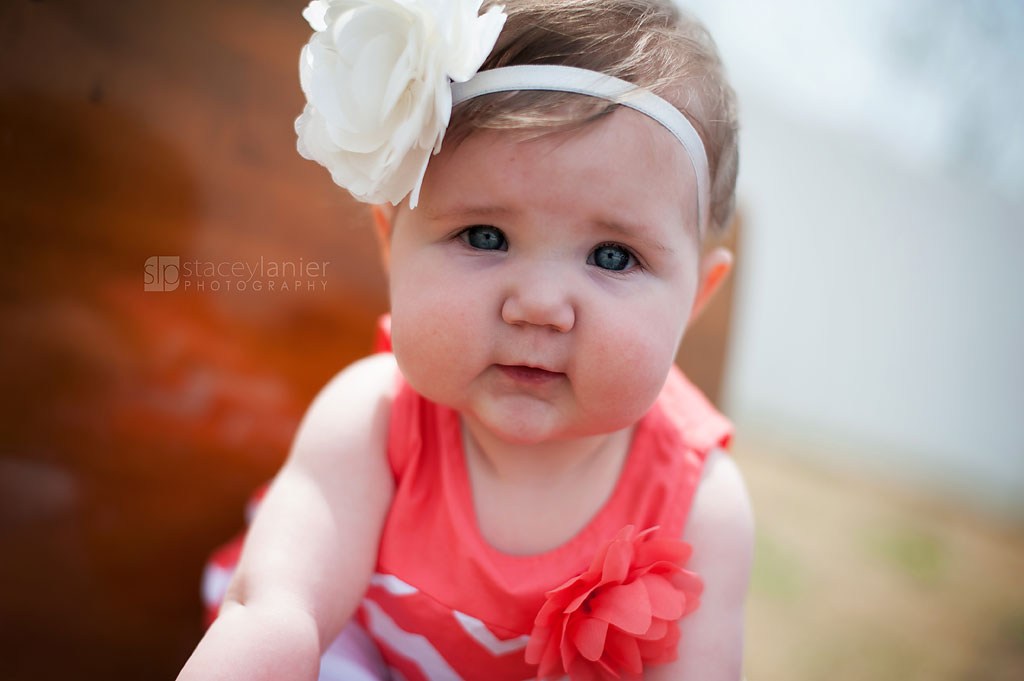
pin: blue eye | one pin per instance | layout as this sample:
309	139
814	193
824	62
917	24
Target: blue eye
611	257
485	238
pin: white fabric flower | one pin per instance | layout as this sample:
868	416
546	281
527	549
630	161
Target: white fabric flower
377	78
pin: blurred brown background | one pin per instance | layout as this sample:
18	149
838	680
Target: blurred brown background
136	423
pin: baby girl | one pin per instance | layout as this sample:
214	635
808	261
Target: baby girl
521	484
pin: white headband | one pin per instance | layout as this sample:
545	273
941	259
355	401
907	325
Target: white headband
557	78
374	116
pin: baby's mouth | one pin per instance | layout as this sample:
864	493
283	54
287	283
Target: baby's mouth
528	374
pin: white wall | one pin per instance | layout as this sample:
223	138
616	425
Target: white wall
880	307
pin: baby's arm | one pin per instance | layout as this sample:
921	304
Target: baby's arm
721	530
312	546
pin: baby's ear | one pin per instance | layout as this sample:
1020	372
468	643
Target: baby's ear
383	217
715	266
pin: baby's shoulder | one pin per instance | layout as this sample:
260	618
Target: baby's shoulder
349	416
375	375
720	527
721	513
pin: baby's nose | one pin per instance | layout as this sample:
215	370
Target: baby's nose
540	297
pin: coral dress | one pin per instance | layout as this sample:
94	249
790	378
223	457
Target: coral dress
444	605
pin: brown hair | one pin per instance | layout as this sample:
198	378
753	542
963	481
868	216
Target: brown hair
650	43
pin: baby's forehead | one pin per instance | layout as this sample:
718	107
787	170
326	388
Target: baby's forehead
622	163
619	131
611	143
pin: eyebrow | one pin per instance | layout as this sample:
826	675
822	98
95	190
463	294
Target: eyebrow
465	211
635	232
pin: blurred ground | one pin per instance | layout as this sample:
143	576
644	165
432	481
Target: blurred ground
856	578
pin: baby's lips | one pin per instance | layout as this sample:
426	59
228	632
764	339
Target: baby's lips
539	366
539	369
529	374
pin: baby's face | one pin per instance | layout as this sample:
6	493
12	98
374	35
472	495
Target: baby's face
541	287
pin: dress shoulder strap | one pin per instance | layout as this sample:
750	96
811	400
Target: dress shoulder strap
405	440
700	425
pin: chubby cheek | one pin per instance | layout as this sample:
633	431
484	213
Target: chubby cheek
627	366
431	332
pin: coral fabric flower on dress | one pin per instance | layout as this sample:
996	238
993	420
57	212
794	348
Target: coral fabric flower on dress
620	614
377	78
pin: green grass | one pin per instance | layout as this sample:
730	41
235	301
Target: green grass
776	573
918	555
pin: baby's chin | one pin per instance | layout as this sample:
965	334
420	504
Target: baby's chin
535	430
509	429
